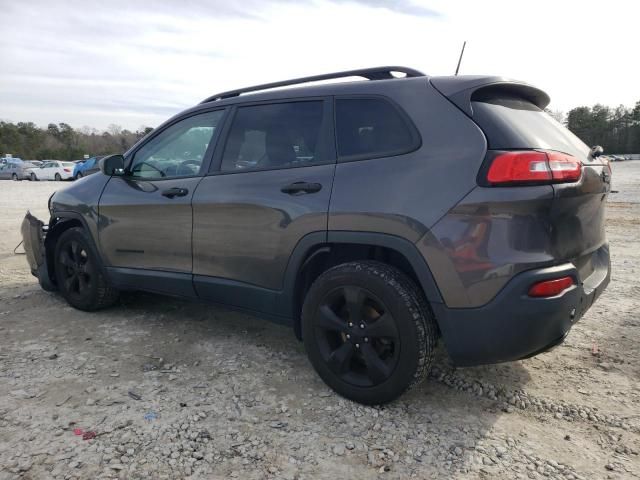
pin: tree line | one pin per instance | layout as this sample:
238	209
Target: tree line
62	142
616	129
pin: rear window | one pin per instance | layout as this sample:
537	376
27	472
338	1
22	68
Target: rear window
68	164
511	122
372	127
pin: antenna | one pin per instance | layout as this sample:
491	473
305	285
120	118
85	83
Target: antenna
460	59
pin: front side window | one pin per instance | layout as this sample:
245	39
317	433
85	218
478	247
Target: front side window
371	127
278	135
177	151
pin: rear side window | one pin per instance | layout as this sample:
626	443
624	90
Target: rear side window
372	127
279	135
511	122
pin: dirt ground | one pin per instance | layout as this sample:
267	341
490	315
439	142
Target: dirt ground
175	389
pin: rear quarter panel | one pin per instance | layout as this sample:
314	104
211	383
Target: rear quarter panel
406	195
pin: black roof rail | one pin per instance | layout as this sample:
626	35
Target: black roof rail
375	73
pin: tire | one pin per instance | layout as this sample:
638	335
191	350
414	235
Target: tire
79	276
33	177
79	175
368	331
57	177
14	177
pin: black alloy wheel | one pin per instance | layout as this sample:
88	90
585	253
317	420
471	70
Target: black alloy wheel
368	331
78	271
79	276
357	336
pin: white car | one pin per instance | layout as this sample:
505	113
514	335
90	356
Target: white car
52	170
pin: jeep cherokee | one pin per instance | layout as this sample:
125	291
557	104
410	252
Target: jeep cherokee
374	217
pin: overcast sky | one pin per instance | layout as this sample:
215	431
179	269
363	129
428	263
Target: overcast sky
134	63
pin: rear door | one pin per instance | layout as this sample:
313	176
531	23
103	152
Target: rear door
145	215
269	186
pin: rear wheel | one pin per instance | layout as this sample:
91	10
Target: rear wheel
57	177
78	274
368	331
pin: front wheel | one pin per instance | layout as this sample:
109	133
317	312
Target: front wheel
368	331
79	277
33	177
78	175
57	177
14	177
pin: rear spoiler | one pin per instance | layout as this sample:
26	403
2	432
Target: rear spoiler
460	90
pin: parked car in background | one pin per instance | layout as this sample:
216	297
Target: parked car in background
5	160
52	170
16	170
86	167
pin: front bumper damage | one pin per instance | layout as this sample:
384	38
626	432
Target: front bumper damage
34	232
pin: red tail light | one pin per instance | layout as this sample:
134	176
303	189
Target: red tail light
533	167
564	168
67	170
550	288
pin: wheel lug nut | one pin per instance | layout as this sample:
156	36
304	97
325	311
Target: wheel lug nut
362	325
348	336
366	339
357	345
350	324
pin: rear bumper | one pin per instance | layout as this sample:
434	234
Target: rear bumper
33	234
513	325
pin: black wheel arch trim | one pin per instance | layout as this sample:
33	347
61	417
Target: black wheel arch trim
314	243
402	246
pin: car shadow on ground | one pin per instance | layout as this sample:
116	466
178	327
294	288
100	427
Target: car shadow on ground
448	415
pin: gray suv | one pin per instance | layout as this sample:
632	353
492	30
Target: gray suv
374	217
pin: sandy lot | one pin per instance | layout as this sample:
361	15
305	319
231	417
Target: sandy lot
175	389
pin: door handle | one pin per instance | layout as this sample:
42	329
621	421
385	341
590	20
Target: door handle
175	192
298	188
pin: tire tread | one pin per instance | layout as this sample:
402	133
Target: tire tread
413	299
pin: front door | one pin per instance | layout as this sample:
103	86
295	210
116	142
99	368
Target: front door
145	217
269	187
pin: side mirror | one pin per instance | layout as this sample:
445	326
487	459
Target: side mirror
596	151
112	165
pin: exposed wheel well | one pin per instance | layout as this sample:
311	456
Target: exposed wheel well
326	256
55	230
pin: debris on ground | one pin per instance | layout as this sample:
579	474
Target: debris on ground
134	395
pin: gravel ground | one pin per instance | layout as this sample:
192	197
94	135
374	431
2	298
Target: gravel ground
174	389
